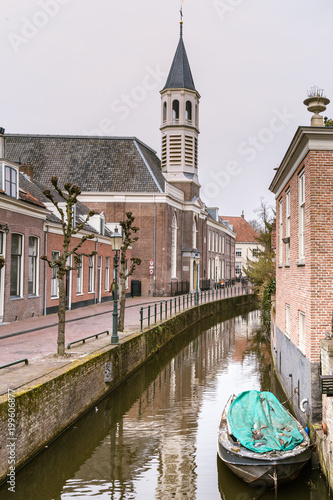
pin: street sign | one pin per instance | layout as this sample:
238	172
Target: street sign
151	271
151	263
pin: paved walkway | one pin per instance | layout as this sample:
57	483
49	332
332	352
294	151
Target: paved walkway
36	339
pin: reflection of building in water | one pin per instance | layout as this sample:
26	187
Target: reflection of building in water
244	326
161	425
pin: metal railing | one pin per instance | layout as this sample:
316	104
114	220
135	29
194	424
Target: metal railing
83	340
160	311
25	361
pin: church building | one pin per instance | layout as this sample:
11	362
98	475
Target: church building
178	237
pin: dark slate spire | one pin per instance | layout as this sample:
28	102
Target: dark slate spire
180	76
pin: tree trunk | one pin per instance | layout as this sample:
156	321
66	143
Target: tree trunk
121	316
61	315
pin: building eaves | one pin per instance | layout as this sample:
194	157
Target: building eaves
306	139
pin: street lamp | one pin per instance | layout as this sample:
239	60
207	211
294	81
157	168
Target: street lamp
197	261
116	241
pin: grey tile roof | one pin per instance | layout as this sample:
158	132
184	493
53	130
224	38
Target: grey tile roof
36	189
97	164
180	76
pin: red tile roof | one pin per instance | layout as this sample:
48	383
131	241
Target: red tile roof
25	196
244	232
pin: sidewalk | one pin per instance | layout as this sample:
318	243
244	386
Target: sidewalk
36	339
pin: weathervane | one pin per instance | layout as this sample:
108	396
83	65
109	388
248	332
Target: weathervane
181	17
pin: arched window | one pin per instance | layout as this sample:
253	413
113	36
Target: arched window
174	247
164	111
188	110
196	115
194	233
175	110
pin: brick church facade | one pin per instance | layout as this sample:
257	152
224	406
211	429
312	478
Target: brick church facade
118	175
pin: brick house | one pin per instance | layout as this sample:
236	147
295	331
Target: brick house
246	244
118	175
304	295
29	229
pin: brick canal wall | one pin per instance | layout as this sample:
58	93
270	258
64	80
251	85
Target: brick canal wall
38	413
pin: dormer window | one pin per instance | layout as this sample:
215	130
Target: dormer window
175	110
10	186
102	225
188	111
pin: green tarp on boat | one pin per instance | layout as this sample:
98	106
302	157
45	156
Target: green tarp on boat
260	423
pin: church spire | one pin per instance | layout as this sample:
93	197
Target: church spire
180	124
180	75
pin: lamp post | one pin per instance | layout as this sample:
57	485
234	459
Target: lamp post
197	261
116	240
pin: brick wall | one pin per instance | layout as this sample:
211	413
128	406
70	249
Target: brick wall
26	306
308	288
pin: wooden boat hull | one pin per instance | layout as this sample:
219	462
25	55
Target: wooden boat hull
271	468
256	471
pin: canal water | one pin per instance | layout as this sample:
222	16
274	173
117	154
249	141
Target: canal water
155	436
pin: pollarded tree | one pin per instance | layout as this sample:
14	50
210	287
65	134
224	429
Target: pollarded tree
128	239
69	228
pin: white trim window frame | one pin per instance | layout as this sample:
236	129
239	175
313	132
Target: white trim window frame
91	274
287	245
288	320
33	269
301	223
79	277
16	266
280	232
301	332
54	276
107	274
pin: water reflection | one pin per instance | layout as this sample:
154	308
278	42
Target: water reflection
154	437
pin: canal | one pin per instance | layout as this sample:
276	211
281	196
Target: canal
155	436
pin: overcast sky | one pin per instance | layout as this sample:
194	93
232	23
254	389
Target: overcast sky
79	67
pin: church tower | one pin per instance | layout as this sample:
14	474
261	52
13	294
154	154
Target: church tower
180	125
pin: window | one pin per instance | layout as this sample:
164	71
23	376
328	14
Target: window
208	269
223	244
213	241
302	331
194	233
238	252
255	252
91	274
10	181
16	266
209	238
287	246
174	247
280	234
188	111
164	111
101	225
54	276
79	277
301	189
288	320
238	267
107	273
175	110
1	243
33	266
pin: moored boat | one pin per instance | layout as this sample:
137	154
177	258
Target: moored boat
260	441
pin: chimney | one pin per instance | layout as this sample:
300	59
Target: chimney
242	214
316	103
27	169
2	142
